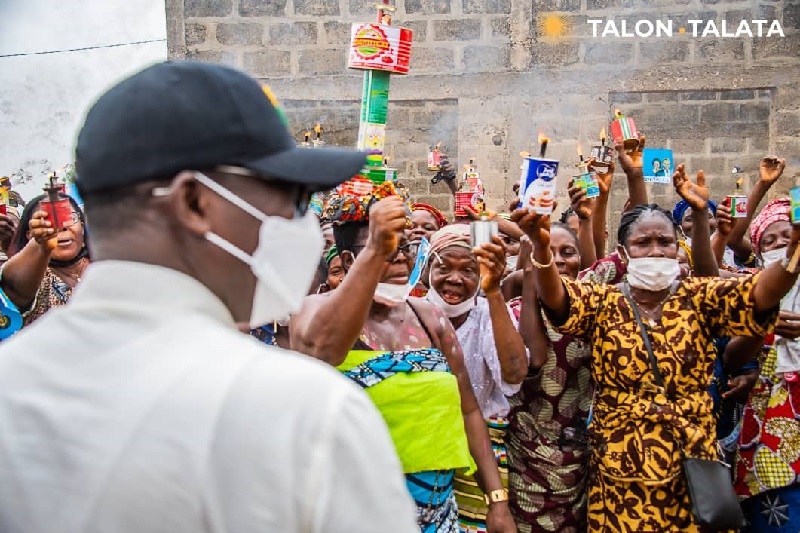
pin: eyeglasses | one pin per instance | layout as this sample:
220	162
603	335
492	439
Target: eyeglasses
302	194
409	250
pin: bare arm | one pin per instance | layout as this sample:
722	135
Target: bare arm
600	216
508	342
487	475
531	325
770	171
328	325
725	224
631	163
696	195
23	273
583	209
552	294
740	351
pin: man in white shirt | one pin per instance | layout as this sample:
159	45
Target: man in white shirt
139	407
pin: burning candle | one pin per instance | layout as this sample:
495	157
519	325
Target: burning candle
580	155
542	144
307	137
603	136
318	130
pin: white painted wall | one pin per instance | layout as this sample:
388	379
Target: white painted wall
44	97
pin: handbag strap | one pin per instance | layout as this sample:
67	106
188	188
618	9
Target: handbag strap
626	291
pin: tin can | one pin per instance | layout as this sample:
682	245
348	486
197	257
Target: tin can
538	184
59	213
624	131
471	199
434	160
602	156
794	209
738	205
481	231
588	182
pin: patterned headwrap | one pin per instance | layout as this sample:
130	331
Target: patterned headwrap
345	205
681	207
453	235
317	202
441	220
774	211
332	252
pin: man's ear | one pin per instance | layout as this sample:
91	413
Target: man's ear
190	203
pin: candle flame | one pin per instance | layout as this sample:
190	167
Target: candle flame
524	154
739	183
617	113
439	144
580	152
603	134
318	129
542	138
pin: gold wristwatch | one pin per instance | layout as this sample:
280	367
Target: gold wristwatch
496	496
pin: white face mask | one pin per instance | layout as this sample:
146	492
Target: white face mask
397	294
773	256
652	273
450	310
284	261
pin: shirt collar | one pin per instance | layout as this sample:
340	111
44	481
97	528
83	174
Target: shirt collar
158	288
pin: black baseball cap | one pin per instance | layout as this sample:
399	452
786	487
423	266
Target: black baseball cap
188	115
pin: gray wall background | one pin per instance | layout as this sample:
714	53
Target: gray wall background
485	79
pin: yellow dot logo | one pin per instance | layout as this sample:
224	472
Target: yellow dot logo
681	30
553	26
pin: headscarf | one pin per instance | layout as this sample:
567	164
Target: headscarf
345	205
441	220
332	252
683	206
453	235
774	211
317	202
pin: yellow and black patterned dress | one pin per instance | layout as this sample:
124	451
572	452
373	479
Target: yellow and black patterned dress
637	435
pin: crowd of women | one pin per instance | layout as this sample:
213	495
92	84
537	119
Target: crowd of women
537	382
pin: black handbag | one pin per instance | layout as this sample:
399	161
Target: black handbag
714	503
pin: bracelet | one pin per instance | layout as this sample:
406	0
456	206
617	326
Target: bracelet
537	264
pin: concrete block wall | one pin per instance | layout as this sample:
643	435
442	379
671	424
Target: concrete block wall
487	75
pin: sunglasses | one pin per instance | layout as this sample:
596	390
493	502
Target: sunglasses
301	193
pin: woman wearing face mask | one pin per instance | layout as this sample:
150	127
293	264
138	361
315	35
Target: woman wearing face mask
46	264
406	356
640	429
547	445
494	352
768	463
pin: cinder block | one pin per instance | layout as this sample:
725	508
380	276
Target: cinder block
317	61
240	33
456	30
206	8
260	8
486	58
294	33
422	7
195	33
317	7
268	63
485	6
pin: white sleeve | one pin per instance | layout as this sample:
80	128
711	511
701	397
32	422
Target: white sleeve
359	485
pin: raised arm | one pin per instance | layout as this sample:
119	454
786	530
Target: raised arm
776	280
725	224
488	477
508	342
551	291
605	177
583	209
696	195
23	273
631	163
770	170
328	325
531	325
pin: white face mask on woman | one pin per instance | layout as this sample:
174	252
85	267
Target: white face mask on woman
652	273
284	261
773	256
450	310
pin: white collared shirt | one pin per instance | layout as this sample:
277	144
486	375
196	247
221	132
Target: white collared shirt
138	407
